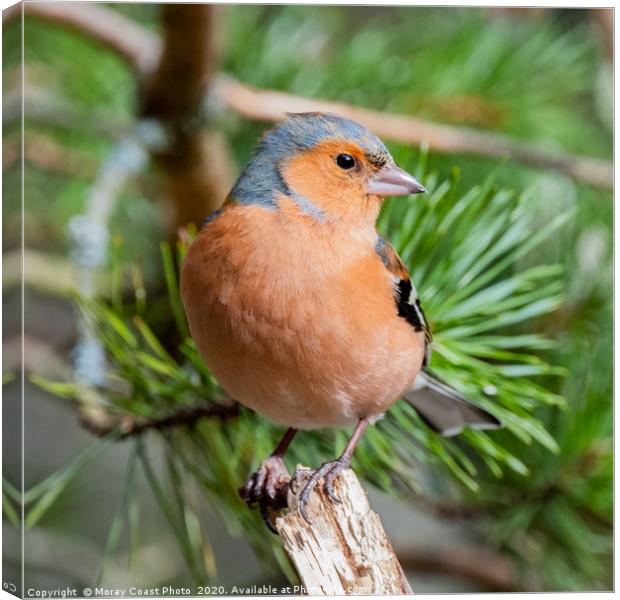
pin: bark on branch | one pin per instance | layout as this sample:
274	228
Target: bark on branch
344	549
101	423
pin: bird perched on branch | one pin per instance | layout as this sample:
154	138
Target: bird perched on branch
301	310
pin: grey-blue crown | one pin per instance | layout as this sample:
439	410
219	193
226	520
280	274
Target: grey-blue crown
262	178
303	131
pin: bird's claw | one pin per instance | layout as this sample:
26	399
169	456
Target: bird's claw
329	471
264	513
267	487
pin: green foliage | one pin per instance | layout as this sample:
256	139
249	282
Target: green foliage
520	76
41	497
525	337
473	296
10	497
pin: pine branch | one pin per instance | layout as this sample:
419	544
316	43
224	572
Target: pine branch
101	423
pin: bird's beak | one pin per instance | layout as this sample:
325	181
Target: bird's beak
393	181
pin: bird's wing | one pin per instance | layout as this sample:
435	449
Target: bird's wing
405	294
443	408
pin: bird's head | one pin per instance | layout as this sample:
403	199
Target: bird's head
324	166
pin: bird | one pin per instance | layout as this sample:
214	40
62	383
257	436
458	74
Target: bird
302	310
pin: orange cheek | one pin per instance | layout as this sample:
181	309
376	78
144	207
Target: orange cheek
315	176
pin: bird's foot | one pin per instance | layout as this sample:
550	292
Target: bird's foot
267	487
329	471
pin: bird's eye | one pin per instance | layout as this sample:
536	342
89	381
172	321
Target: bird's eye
345	161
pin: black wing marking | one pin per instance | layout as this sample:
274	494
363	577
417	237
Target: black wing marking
405	295
409	306
442	407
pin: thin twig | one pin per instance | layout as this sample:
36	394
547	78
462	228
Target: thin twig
272	105
101	423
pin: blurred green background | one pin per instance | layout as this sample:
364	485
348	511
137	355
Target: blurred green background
543	76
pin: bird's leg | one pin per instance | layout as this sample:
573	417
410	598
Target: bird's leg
331	470
267	486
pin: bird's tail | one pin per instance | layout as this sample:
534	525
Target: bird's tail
446	410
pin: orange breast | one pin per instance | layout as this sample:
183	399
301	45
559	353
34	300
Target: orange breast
295	321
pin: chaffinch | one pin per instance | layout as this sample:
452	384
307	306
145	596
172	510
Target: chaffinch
300	309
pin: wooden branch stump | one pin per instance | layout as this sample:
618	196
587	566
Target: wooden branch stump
344	549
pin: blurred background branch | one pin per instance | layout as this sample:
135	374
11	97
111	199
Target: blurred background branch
493	571
270	105
174	93
196	162
139	47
